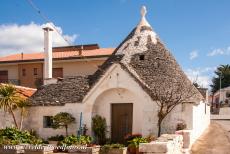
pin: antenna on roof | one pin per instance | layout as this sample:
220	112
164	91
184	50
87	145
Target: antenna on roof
22	56
81	50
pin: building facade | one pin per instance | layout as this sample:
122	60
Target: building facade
28	69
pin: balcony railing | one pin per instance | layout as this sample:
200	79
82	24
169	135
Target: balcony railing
12	81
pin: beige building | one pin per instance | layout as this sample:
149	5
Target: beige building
221	96
28	69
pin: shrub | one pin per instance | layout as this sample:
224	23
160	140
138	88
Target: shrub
99	128
130	137
13	136
105	148
136	141
63	119
56	138
74	140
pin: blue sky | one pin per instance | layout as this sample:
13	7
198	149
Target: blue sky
196	32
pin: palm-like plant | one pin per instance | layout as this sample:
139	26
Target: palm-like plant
22	104
223	74
9	99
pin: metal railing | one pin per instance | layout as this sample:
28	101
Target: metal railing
12	81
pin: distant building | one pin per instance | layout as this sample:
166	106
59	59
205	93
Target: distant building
221	96
28	69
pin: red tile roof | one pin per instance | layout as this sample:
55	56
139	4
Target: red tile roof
23	91
58	55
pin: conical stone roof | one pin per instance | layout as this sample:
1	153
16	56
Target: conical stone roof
146	58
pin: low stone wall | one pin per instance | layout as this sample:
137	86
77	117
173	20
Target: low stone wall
187	138
165	144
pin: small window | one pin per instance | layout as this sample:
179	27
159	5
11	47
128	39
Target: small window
47	121
35	71
228	94
23	72
142	57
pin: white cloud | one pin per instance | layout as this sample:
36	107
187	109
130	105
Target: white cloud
28	38
219	51
201	75
193	55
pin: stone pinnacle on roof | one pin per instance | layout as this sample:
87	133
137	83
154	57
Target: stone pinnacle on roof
138	38
143	21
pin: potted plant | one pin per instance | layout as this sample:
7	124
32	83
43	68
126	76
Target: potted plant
133	146
8	146
81	145
113	149
63	120
130	137
12	140
38	149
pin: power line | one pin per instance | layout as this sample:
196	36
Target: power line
46	19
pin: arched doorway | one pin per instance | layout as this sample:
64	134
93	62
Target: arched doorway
117	105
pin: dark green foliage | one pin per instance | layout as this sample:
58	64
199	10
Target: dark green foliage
99	129
62	120
136	141
105	148
223	72
9	99
13	136
130	137
74	140
56	138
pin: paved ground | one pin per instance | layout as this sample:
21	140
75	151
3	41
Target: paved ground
215	140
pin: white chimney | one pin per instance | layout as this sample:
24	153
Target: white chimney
48	62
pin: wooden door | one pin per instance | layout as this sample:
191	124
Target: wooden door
3	76
57	72
122	120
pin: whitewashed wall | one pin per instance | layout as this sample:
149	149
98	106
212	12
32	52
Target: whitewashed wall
35	119
6	119
201	119
117	86
181	113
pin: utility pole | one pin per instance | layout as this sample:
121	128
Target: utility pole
220	86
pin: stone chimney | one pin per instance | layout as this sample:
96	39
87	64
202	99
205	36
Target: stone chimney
48	62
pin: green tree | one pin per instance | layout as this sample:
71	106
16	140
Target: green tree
222	73
9	99
62	120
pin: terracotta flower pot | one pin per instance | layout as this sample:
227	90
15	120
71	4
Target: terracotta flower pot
132	150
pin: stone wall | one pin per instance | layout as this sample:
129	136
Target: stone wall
166	144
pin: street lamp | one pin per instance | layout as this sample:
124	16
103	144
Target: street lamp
220	86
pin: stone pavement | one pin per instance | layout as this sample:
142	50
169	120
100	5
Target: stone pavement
215	140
